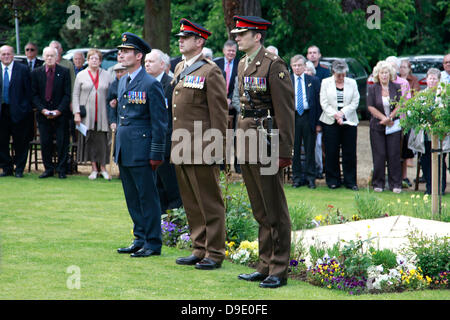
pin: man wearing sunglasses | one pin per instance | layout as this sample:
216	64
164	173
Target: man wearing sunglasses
32	61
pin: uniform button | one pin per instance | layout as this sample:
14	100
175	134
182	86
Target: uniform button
243	104
176	92
174	105
123	106
174	118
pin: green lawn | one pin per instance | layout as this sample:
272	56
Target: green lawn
47	226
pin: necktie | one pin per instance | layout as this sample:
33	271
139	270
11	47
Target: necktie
228	74
6	86
49	85
30	65
128	80
300	108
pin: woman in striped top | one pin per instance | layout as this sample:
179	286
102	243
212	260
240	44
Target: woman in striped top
339	98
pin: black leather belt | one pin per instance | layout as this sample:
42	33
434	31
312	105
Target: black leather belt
254	113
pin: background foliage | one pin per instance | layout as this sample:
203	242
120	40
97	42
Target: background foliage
338	27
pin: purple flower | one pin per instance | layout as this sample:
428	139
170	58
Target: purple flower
293	263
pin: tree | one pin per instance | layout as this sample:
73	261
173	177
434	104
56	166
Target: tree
239	7
157	24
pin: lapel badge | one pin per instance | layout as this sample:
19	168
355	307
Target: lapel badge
258	63
281	75
124	38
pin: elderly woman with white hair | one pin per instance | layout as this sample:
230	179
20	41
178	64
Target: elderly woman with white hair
385	134
339	98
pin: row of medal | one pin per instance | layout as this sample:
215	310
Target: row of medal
255	84
195	82
138	97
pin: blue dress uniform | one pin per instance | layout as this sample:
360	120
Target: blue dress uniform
141	133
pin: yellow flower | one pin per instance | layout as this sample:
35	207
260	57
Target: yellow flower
398	200
412	271
428	279
226	253
318	218
406	202
417	196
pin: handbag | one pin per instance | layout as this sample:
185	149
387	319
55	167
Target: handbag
82	111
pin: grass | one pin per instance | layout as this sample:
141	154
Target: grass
47	226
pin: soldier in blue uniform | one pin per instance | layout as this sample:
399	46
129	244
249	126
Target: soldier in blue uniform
140	143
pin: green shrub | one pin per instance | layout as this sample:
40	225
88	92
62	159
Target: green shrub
432	253
369	206
301	216
240	224
385	257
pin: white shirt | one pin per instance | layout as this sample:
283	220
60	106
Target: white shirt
159	77
9	70
305	100
445	77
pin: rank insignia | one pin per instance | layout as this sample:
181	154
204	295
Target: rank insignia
124	38
281	75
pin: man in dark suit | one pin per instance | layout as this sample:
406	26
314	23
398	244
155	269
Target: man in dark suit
51	97
15	112
308	110
313	54
169	193
140	145
32	61
229	65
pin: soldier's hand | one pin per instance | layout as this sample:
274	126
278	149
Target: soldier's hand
155	164
77	118
113	103
113	126
284	162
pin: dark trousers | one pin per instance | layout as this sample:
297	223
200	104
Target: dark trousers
386	148
48	130
20	133
335	137
166	182
141	195
303	132
270	210
425	163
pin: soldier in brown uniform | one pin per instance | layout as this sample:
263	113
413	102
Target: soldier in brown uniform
267	105
199	106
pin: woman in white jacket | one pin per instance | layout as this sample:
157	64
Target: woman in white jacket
339	98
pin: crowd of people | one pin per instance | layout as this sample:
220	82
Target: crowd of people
147	96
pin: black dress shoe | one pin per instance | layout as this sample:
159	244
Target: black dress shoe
131	249
142	253
333	186
296	185
354	188
273	282
62	175
188	261
19	174
311	184
46	174
207	264
255	276
6	173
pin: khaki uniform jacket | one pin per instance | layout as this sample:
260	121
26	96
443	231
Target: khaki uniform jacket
201	97
276	92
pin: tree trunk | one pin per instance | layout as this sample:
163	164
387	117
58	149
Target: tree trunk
241	8
434	177
158	24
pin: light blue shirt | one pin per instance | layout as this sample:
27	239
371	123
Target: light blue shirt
305	100
134	74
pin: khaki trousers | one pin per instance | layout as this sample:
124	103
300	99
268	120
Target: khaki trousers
270	209
205	210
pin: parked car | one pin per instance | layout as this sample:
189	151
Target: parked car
359	73
420	66
109	56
